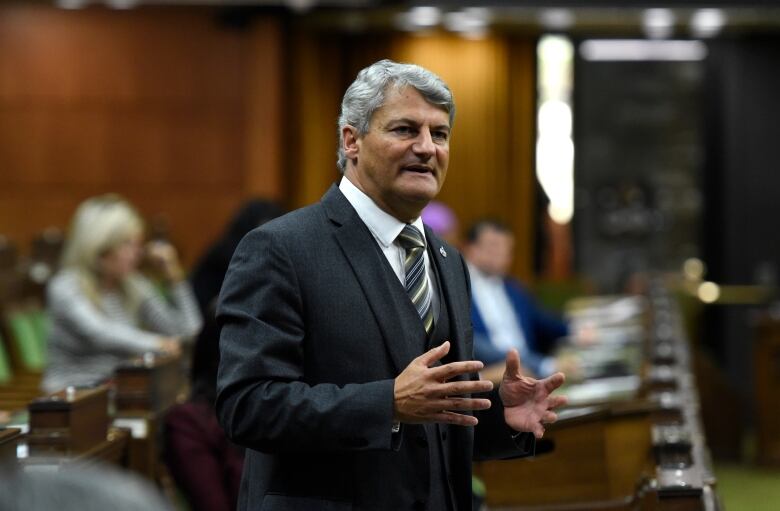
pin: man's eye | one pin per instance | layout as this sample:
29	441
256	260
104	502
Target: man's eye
403	130
441	135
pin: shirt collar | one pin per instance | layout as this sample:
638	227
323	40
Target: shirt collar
384	226
483	278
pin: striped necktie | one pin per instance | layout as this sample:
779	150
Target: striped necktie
416	277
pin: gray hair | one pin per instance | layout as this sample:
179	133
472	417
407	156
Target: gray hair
367	94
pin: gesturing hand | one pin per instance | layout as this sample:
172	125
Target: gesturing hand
527	401
425	394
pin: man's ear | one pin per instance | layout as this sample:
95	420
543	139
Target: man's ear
350	142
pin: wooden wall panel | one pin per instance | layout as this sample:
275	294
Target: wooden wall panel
265	112
491	156
166	106
317	88
521	175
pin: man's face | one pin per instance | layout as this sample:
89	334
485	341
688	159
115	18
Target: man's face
401	163
492	251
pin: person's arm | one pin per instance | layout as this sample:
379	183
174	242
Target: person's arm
263	401
179	317
494	439
547	327
68	303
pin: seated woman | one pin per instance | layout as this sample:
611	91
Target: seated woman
102	310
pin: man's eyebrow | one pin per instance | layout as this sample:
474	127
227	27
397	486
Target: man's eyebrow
406	120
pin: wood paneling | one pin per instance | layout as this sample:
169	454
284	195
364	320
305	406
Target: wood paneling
179	113
317	88
187	117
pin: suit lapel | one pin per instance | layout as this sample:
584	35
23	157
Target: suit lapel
452	279
368	263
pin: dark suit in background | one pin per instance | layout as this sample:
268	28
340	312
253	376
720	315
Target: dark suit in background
540	328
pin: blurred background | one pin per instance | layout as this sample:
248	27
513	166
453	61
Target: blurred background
614	138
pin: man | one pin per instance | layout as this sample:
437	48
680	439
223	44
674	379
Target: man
346	343
503	314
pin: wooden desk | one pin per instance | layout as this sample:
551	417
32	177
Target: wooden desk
112	449
9	439
637	448
150	383
72	427
145	388
600	454
144	443
68	422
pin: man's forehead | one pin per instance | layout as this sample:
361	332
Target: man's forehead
397	98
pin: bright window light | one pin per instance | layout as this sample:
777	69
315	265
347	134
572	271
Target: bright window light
554	143
642	49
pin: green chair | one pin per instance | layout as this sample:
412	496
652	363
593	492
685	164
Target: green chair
40	321
5	364
27	332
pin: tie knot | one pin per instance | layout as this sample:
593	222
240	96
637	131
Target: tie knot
411	237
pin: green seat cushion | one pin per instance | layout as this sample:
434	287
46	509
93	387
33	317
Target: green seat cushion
26	338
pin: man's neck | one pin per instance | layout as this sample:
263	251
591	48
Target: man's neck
404	213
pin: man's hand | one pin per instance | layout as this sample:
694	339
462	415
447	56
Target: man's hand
527	401
424	393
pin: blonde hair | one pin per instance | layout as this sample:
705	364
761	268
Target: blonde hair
99	225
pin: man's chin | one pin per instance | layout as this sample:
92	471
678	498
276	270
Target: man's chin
422	191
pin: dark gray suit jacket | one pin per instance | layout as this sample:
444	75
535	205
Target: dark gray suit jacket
312	339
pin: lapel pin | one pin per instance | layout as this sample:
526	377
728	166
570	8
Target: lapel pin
442	252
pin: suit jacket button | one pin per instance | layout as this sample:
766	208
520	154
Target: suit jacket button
422	441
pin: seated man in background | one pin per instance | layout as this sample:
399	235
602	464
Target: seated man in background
503	314
102	310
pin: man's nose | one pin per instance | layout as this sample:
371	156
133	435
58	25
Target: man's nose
424	145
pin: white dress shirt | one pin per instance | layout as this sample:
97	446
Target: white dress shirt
501	321
496	309
385	228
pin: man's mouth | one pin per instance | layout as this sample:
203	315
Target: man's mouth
420	169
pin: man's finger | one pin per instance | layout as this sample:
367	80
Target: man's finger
457	419
549	417
459	388
513	364
554	381
432	356
556	401
538	431
457	403
449	371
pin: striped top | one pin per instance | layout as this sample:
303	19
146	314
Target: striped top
88	340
